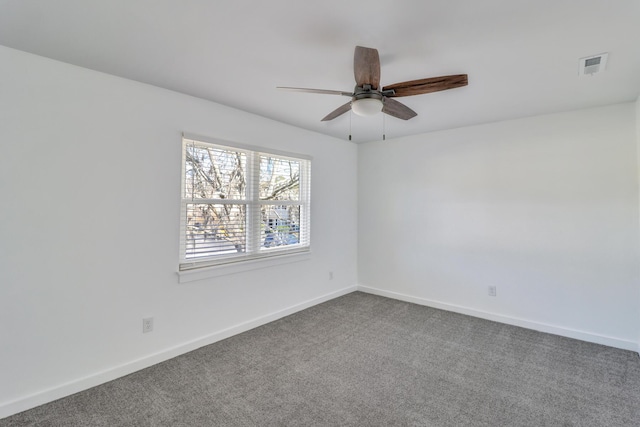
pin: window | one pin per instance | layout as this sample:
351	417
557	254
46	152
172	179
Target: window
240	203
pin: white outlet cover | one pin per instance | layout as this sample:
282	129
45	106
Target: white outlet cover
147	325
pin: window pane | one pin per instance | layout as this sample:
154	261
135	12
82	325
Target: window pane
215	229
280	226
279	179
212	173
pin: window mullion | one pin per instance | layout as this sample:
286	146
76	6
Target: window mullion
305	208
253	205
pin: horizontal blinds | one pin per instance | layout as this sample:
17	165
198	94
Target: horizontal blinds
214	229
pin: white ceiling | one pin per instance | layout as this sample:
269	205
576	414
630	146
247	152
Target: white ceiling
521	56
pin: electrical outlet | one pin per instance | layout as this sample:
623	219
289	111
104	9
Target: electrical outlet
492	291
147	325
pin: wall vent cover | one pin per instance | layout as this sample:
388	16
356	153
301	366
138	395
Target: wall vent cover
590	65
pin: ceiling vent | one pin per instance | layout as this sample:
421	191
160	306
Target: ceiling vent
591	65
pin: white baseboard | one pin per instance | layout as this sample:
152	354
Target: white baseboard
48	395
528	324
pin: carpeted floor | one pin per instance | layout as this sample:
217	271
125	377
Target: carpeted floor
364	360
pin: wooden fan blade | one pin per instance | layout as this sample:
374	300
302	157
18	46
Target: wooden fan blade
321	91
366	67
337	112
397	109
433	84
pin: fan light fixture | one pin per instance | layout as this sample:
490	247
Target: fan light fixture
366	107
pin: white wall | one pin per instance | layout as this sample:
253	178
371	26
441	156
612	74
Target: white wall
544	208
89	184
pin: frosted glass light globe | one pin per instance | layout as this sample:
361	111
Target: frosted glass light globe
366	106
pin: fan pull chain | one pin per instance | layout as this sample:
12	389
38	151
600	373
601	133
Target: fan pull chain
384	131
350	114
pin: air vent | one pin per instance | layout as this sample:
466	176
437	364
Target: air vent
591	65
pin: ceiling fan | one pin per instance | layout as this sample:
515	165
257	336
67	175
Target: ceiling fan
368	98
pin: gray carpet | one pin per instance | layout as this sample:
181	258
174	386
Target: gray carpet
364	360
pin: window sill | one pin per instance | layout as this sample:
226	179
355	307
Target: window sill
240	267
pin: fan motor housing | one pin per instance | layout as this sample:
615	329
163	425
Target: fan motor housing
366	92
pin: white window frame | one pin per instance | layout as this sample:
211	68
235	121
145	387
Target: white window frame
254	256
